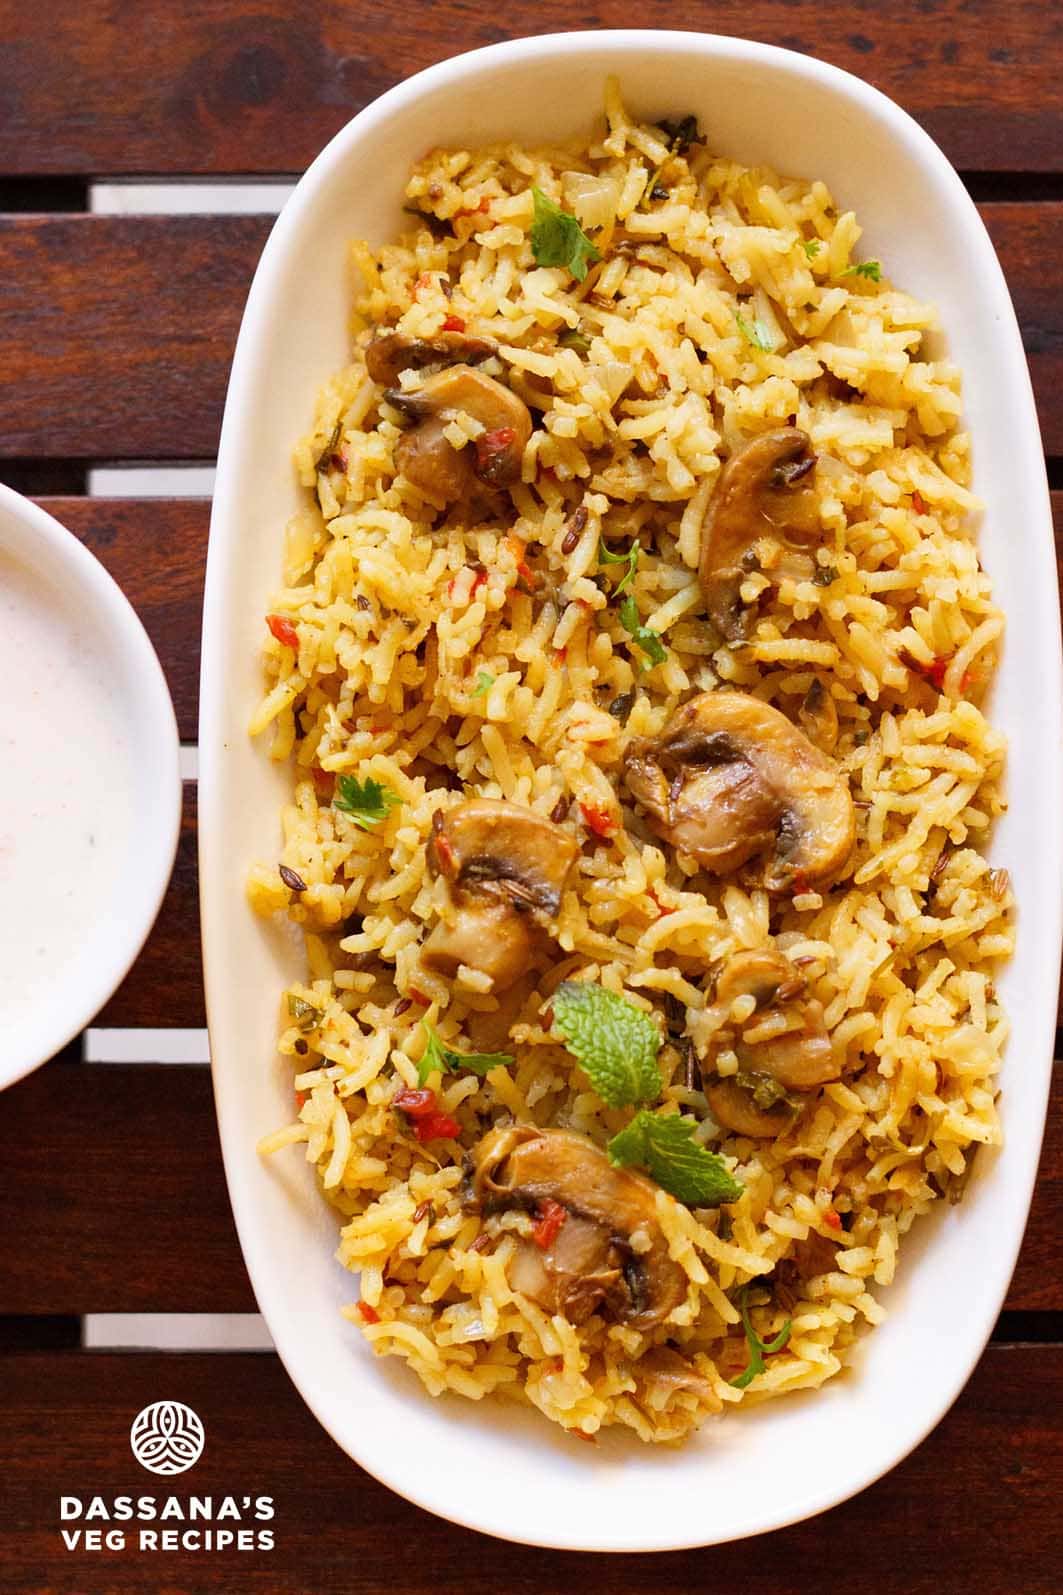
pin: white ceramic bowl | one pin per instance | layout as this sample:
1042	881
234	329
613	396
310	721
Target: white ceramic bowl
91	803
492	1467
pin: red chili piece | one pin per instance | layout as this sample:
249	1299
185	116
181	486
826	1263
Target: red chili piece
919	503
429	1124
490	446
416	1103
550	1216
368	1315
453	324
284	631
597	820
832	1218
437	1127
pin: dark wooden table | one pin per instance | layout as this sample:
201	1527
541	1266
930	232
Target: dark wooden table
115	339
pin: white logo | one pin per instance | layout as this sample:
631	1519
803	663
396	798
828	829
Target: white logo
167	1437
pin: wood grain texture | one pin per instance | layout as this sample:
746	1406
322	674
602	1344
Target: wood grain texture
165	985
116	332
133	1216
155	549
212	88
974	1507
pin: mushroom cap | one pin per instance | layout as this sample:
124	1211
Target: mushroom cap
434	466
505	867
799	1058
732	1106
460	389
391	353
487	839
521	1166
731	777
764	490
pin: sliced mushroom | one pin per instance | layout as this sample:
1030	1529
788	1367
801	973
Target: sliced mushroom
730	778
505	867
763	491
668	1370
495	457
393	352
609	1254
484	933
755	1101
734	1106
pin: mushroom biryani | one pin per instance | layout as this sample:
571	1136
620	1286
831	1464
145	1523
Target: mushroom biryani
629	660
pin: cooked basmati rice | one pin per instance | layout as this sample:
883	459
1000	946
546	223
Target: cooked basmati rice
402	610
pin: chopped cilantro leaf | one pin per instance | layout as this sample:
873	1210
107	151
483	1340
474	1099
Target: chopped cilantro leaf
642	636
484	682
755	332
812	247
663	1144
367	803
447	1061
871	269
557	239
630	558
615	1043
757	1347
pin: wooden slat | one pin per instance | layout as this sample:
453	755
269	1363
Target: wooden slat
155	549
116	332
136	1218
205	88
165	985
974	1507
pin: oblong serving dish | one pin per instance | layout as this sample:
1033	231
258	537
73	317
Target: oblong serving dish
517	1478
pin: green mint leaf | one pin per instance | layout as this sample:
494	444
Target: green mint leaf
447	1061
757	1348
755	333
630	558
557	239
367	803
615	1043
484	682
665	1147
575	339
867	268
812	247
642	636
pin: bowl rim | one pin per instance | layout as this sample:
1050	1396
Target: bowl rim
143	890
445	74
